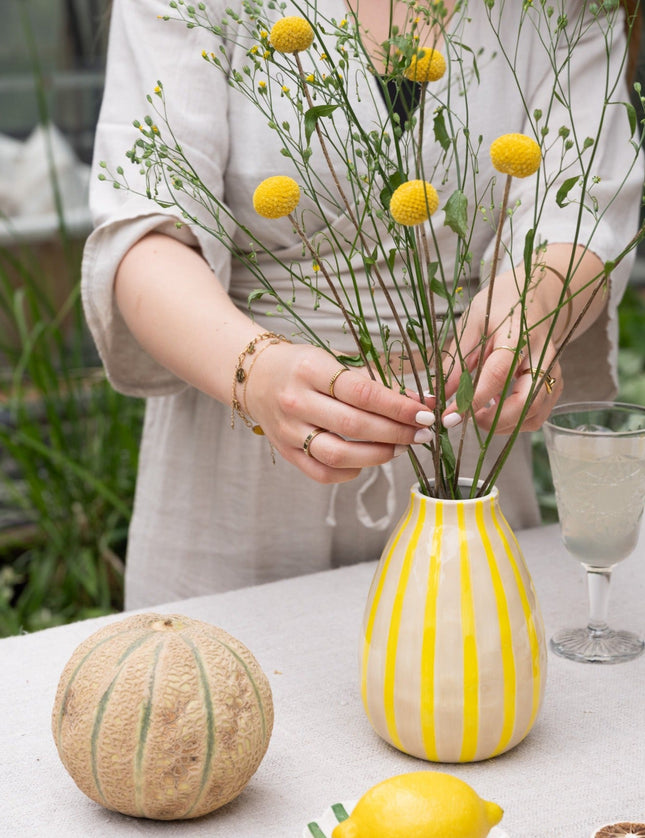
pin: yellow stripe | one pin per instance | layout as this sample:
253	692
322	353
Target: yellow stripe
430	639
369	628
528	618
395	626
505	634
471	667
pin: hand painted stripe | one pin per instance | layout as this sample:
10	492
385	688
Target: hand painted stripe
505	633
384	564
395	625
528	617
428	651
469	635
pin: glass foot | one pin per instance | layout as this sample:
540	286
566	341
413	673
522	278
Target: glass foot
589	646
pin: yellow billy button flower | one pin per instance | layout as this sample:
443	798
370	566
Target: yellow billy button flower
413	202
291	34
276	197
426	65
516	155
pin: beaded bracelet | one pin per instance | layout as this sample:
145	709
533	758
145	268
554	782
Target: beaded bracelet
241	377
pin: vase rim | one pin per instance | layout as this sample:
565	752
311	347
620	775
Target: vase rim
492	493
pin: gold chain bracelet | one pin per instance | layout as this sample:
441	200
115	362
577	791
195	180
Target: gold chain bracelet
242	375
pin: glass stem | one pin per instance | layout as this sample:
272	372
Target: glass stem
598	589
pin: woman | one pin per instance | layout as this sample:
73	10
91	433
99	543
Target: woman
168	310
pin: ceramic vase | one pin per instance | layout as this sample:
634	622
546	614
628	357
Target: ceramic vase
453	657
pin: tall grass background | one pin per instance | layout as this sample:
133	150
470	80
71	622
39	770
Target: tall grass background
68	441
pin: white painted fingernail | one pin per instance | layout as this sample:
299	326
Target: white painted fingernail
451	420
400	449
423	435
424	417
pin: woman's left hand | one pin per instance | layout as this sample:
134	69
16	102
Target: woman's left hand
516	366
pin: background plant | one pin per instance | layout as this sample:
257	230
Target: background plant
68	441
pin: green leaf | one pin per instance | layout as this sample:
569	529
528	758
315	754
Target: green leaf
437	287
564	190
456	210
465	392
350	360
258	294
528	252
631	115
313	115
386	193
440	133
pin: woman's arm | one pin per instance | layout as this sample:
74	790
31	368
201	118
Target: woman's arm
548	321
182	316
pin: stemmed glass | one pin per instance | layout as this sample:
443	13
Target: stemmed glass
597	456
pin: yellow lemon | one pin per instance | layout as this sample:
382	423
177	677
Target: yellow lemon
422	804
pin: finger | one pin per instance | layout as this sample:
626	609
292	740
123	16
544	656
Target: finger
370	396
335	452
356	425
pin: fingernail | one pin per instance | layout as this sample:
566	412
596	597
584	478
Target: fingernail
423	435
424	417
451	420
400	449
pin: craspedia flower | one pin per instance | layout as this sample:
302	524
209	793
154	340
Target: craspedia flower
515	154
276	197
291	34
426	65
413	202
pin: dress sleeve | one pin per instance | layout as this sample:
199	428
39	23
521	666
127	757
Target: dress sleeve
590	361
143	49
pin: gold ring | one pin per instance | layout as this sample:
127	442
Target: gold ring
513	349
335	378
306	445
549	380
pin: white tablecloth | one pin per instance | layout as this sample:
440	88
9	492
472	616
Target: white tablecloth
583	764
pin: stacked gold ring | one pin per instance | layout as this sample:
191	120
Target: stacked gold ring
306	445
513	349
549	380
333	380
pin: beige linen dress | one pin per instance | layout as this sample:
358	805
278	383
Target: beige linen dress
212	512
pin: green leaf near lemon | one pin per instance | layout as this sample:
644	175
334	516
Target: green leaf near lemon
421	804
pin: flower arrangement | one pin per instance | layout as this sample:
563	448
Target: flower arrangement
303	72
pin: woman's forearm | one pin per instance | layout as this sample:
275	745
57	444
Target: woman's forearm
181	315
585	292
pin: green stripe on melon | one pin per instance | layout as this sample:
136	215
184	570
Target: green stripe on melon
162	717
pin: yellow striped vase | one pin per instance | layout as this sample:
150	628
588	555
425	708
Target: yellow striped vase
453	658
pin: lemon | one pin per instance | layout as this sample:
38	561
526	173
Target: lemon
421	804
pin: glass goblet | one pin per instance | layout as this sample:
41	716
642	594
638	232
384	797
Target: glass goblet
597	456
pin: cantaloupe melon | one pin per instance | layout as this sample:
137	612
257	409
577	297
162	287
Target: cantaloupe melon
162	716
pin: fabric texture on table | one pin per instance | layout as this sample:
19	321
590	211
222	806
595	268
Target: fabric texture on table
581	766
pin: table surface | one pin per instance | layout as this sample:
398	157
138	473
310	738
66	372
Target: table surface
582	765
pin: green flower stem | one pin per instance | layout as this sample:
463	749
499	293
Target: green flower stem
357	226
334	291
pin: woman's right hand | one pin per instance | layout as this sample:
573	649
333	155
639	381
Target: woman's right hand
330	433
